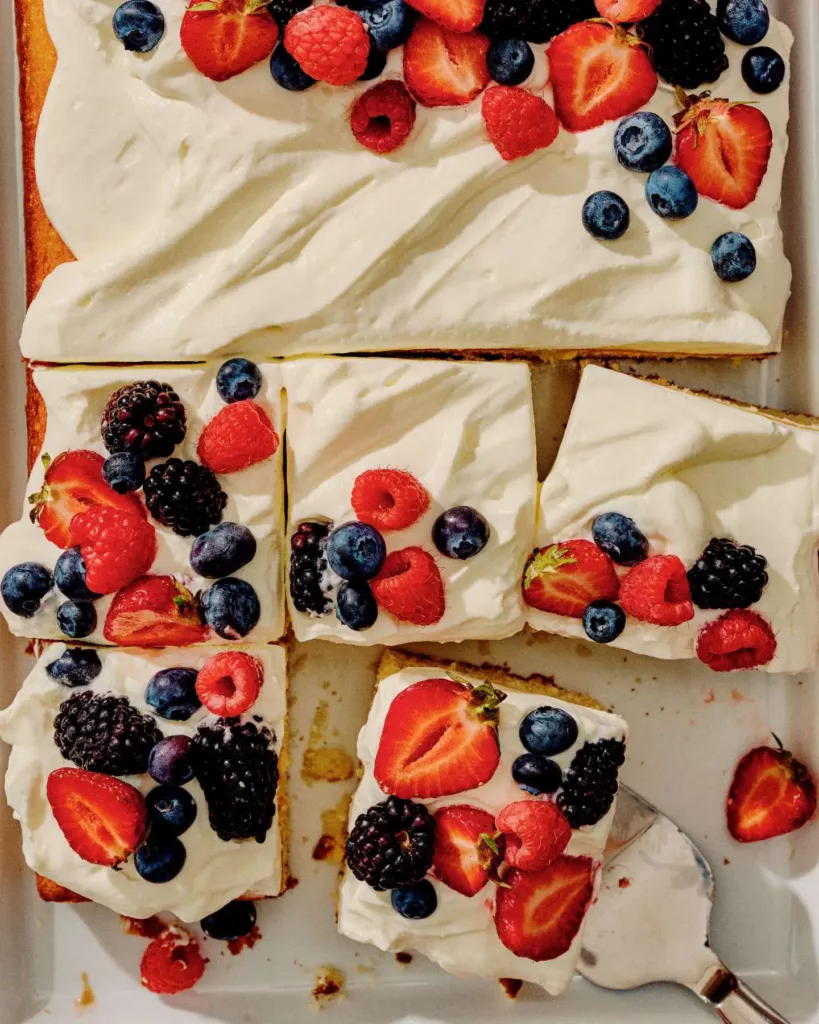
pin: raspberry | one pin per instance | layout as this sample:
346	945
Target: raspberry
229	683
383	117
172	963
238	436
329	43
738	639
389	499
116	546
656	590
536	833
517	121
409	587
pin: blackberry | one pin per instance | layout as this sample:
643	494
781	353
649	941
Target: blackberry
145	417
309	569
727	575
687	47
284	10
104	733
392	844
536	21
184	496
590	784
238	771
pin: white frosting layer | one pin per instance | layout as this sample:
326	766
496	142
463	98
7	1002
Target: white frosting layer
75	399
687	468
215	871
210	218
465	430
460	935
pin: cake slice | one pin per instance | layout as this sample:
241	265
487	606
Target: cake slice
124	776
680	525
479	824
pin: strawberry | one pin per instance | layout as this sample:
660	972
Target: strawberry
172	963
626	10
540	913
565	578
102	818
154	611
739	639
656	590
517	121
73	482
410	588
388	499
724	148
536	833
443	68
223	38
116	546
456	15
382	118
599	73
229	683
771	794
238	436
466	851
329	43
440	737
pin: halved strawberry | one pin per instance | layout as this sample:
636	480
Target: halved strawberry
443	68
73	483
626	10
565	578
102	818
466	849
772	794
598	73
223	38
456	15
154	611
724	148
536	833
540	913
440	737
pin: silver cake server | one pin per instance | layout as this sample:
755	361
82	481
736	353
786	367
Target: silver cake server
651	920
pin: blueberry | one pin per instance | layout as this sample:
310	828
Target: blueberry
671	193
230	607
763	69
510	61
744	21
69	575
76	619
619	537
606	216
124	472
172	694
160	858
390	22
222	550
460	532
642	142
537	774
139	25
376	62
355	551
24	586
287	72
76	666
238	379
548	731
355	606
415	901
171	809
733	256
604	621
169	762
231	922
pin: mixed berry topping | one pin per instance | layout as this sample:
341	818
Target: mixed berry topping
388	499
727	575
466	848
745	21
145	417
283	11
392	844
606	216
70	575
124	472
238	379
239	436
24	586
733	256
565	578
223	38
105	733
230	607
771	795
590	784
76	619
620	537
535	833
160	858
230	922
517	122
139	25
116	546
656	590
537	774
76	666
356	607
763	70
460	532
172	694
154	611
536	21
604	621
355	551
548	731
223	550
686	45
309	568
409	586
415	902
382	117
171	810
169	762
510	61
172	963
642	142
184	496
229	683
739	639
671	193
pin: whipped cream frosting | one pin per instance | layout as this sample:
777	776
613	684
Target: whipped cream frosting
687	468
464	430
215	871
212	218
460	935
75	399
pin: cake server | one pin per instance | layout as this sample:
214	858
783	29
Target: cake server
651	920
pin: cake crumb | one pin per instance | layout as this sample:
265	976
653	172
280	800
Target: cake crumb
726	861
330	845
245	941
740	698
624	882
145	928
710	698
582	652
321	763
511	986
329	985
86	997
405	959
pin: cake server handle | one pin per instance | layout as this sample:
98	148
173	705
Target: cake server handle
733	1001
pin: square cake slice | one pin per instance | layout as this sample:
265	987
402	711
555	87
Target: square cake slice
123	775
411	498
473	835
681	525
155	509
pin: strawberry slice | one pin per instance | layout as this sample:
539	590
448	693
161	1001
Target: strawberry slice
598	73
443	68
456	15
73	482
223	38
466	849
566	577
102	818
626	10
724	148
440	737
154	611
540	913
536	833
772	794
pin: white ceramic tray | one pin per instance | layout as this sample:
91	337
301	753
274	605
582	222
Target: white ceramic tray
688	728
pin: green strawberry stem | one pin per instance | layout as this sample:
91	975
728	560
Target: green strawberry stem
546	561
